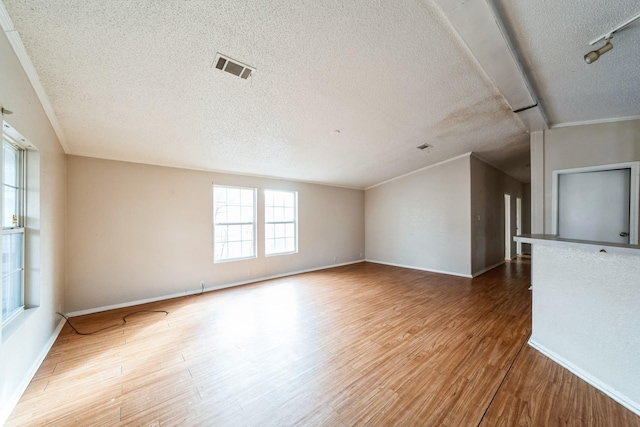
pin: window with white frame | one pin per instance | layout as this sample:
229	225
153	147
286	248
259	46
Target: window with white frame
234	225
12	231
280	222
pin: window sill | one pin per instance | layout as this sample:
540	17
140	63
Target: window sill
14	325
222	261
282	253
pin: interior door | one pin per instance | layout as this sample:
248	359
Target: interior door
594	205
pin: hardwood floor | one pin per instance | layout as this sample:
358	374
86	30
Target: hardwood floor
364	344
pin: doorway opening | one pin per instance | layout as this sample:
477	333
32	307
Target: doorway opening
507	227
518	224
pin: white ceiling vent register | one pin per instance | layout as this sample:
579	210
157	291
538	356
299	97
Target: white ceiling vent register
237	68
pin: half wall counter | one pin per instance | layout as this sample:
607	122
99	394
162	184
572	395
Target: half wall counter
586	311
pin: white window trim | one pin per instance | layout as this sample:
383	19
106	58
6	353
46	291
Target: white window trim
295	224
9	137
254	223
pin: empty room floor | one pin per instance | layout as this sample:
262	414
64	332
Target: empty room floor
364	344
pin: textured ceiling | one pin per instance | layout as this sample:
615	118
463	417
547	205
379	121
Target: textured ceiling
133	81
553	36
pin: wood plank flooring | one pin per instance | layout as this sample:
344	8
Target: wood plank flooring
364	344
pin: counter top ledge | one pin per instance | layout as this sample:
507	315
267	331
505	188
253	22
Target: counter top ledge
551	240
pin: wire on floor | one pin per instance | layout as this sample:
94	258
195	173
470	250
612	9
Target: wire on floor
202	291
124	321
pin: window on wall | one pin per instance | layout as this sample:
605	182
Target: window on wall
12	231
234	225
281	222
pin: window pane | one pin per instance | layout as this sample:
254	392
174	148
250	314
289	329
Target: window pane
290	244
220	214
10	208
280	221
246	214
233	196
247	232
219	195
235	233
234	214
235	249
234	223
12	243
16	253
220	233
279	230
12	277
288	214
278	214
247	248
6	253
11	165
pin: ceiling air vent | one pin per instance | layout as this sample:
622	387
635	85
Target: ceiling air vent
424	147
232	66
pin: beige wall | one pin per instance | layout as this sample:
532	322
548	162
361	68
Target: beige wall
488	187
26	339
421	220
587	145
138	232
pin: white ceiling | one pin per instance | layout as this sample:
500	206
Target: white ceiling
133	81
553	36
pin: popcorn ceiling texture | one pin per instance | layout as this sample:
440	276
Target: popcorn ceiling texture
132	80
553	36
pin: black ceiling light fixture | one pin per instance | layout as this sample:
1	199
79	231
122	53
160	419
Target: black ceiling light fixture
593	56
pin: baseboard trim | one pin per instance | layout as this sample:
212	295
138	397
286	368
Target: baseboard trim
477	273
612	393
206	289
430	270
6	411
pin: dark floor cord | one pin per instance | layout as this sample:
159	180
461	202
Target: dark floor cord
502	382
124	320
202	291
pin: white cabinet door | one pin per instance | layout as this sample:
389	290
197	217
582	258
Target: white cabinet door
594	205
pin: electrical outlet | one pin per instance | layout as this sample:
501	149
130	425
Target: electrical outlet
335	258
249	272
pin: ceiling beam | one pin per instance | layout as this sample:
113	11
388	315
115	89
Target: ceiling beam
479	26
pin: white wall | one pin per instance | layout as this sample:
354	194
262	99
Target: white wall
421	220
526	215
26	340
585	315
488	187
138	232
587	145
